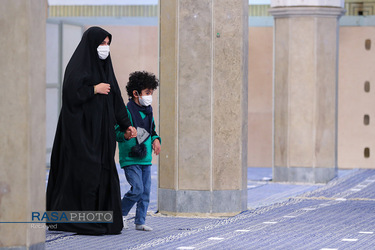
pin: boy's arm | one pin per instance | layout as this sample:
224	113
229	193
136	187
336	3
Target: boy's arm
154	135
156	141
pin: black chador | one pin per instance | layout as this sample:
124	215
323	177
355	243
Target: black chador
83	175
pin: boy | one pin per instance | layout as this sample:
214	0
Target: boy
136	154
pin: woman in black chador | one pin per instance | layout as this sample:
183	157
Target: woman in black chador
83	175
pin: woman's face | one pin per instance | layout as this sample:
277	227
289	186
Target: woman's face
105	41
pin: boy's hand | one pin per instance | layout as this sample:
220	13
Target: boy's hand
131	132
156	146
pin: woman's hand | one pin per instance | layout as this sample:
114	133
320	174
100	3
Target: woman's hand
156	146
102	88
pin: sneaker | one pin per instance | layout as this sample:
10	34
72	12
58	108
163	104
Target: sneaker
143	228
125	222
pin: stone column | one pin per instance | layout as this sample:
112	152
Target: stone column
305	89
203	107
22	126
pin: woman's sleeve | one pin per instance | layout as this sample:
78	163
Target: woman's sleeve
85	93
78	90
119	134
121	113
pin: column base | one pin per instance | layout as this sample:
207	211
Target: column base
37	246
202	203
304	174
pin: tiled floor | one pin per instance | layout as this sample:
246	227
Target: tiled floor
339	215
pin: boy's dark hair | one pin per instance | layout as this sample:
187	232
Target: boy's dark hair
140	80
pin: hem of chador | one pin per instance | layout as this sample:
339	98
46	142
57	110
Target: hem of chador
82	232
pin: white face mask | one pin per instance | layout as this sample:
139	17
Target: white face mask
103	51
145	100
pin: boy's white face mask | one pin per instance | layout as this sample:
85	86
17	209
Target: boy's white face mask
103	51
145	100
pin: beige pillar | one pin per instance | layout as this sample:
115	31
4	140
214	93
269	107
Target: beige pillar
203	107
22	126
305	90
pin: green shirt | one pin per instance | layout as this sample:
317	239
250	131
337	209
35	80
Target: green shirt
126	145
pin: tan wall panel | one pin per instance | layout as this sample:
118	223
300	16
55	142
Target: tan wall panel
355	68
260	97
